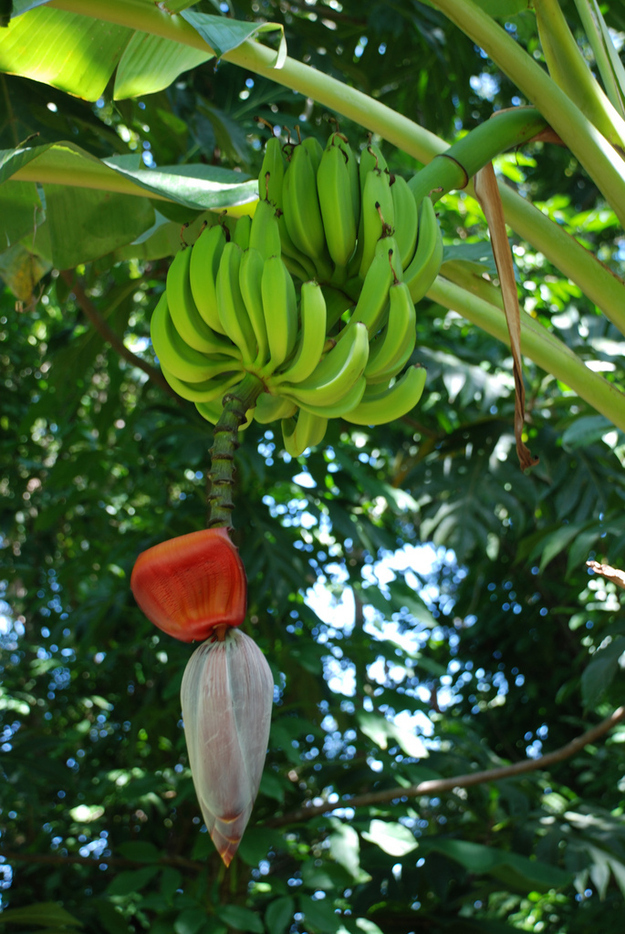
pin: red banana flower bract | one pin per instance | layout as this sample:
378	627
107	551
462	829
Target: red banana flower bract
227	695
188	585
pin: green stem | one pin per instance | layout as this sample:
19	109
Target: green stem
569	70
604	165
606	56
458	164
570	257
237	402
540	346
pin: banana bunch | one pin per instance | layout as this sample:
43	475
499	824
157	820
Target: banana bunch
315	295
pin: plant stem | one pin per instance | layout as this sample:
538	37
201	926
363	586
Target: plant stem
540	345
604	165
237	402
600	285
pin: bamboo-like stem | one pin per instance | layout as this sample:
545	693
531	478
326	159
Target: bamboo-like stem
570	257
602	162
439	786
544	348
237	402
606	56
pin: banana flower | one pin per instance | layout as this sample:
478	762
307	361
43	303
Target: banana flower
227	695
189	585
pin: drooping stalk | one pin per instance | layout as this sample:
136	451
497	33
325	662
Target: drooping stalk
237	403
540	345
570	257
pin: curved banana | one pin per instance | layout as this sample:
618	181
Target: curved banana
205	257
232	311
377	215
208	389
337	409
315	150
334	188
176	356
335	375
392	348
372	304
265	230
302	213
271	174
370	158
250	281
406	224
270	408
189	323
242	228
312	336
305	432
382	404
423	269
280	310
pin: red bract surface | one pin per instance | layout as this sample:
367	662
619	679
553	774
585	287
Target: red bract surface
227	696
188	585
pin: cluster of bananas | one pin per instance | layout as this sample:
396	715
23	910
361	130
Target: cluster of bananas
315	295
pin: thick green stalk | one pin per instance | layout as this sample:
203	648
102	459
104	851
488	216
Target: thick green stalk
540	345
569	70
572	259
237	402
604	165
607	58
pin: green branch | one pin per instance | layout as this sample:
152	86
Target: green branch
544	348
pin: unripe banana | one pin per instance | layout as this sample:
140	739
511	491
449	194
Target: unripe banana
391	349
176	355
250	280
265	230
425	265
406	222
205	257
184	313
208	389
335	199
372	305
337	409
306	431
335	375
212	411
315	150
312	336
232	311
271	174
381	404
242	229
270	408
302	213
280	310
377	216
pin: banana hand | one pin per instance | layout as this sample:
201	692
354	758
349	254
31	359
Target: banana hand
424	267
335	375
382	404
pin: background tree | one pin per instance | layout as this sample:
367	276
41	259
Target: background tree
395	663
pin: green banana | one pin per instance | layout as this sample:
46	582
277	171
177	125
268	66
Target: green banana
392	348
302	213
187	320
406	222
334	188
280	310
336	409
208	389
425	265
312	335
372	305
335	375
241	234
270	408
232	311
211	411
377	215
315	150
173	353
265	230
250	281
203	267
271	174
306	431
382	404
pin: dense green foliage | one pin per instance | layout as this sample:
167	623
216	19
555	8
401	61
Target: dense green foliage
492	645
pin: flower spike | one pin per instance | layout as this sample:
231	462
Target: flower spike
189	585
